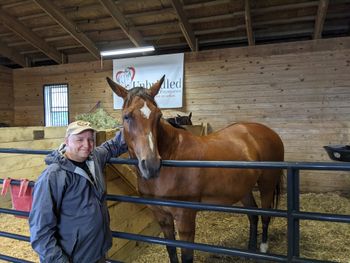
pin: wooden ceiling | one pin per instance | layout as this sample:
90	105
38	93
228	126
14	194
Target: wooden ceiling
46	32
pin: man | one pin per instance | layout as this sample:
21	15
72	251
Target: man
69	220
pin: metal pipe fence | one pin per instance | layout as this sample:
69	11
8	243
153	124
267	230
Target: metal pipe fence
292	214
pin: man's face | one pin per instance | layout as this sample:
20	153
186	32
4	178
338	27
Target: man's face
79	146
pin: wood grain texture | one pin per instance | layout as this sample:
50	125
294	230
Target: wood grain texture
6	96
300	89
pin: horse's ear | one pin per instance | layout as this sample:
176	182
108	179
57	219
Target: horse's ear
119	90
190	116
153	91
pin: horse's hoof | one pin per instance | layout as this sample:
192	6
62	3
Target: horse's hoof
264	247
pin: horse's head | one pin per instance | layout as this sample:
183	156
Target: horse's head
180	120
184	120
141	117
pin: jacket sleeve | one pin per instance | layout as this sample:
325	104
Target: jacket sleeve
47	196
112	148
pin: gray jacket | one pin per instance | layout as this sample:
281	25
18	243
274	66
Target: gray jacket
69	220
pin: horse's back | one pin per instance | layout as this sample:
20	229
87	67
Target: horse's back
248	141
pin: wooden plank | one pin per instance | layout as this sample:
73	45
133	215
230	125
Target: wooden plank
15	134
12	54
185	26
126	172
248	23
320	18
6	96
300	47
136	224
36	144
29	166
31	173
13	24
121	21
82	67
55	132
132	250
56	14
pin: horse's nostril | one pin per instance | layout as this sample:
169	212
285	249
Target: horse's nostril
143	164
150	166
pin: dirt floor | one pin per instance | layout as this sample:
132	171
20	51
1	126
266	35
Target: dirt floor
319	240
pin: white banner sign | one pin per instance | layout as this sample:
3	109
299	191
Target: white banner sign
145	71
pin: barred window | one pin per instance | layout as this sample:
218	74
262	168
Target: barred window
56	105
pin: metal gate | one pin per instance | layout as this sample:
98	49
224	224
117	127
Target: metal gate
293	213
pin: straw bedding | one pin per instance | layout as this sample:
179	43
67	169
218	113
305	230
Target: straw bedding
320	240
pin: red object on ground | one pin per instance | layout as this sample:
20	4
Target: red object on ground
21	195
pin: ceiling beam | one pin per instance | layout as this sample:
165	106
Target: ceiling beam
320	18
16	4
284	7
68	25
13	55
210	3
248	23
185	25
129	30
28	35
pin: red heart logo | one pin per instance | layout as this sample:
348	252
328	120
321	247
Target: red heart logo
125	77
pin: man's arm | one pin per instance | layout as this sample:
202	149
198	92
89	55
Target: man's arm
113	147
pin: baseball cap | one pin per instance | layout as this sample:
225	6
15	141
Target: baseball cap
78	127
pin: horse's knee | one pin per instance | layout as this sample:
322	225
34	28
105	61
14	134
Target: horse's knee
166	223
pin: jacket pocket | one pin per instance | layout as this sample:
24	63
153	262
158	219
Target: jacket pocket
69	244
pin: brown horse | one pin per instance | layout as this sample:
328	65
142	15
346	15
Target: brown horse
151	139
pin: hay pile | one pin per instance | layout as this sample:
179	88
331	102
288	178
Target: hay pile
99	119
320	240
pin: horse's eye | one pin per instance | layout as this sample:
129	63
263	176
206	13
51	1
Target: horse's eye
126	117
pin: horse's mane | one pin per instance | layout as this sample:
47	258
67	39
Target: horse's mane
140	92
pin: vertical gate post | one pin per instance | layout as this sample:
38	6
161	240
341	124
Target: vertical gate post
293	205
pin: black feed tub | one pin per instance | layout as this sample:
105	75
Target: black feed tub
338	152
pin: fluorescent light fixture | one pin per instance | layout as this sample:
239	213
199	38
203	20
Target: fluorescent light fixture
126	51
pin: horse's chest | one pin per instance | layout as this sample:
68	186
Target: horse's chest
170	183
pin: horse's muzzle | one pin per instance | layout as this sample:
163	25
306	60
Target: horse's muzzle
150	168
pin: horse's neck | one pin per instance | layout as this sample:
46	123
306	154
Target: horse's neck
169	139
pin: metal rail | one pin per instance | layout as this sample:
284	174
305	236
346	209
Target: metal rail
293	213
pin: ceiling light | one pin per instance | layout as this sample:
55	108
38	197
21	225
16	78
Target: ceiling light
126	51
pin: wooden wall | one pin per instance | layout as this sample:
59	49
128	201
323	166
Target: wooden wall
300	89
20	166
6	95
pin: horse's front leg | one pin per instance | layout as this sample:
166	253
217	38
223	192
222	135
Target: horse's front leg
166	222
186	225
